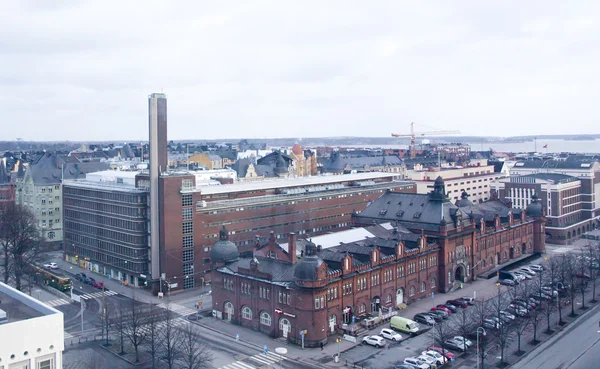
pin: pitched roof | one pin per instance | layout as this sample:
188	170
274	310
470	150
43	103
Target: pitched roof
555	164
51	169
554	177
339	161
4	175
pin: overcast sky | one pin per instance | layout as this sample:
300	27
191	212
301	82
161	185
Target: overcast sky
82	70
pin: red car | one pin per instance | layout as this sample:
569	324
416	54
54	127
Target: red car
460	303
446	353
98	285
441	308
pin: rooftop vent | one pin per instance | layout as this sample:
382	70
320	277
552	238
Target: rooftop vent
417	215
383	211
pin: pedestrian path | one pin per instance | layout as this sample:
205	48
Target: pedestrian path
256	361
57	302
88	296
178	309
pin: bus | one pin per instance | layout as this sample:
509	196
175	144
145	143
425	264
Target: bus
52	277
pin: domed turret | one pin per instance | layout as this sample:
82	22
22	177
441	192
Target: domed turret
224	251
439	190
306	271
464	200
297	149
534	209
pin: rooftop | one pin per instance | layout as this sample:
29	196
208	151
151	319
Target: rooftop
292	182
106	186
19	306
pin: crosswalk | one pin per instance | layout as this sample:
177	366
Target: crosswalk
57	302
256	361
88	296
177	323
178	309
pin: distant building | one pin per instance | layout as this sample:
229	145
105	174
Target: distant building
106	225
476	180
360	161
32	332
207	160
40	189
7	185
305	161
276	164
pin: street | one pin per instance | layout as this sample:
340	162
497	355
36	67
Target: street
577	348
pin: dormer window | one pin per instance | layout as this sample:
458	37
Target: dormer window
347	263
374	256
383	211
271	254
417	215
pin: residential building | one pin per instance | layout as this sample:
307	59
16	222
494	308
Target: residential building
457	228
191	215
40	189
247	170
476	180
284	292
106	225
304	161
207	160
32	333
561	196
276	164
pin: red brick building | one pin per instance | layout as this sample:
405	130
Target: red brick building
191	217
325	290
7	186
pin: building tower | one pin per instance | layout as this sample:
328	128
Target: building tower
157	122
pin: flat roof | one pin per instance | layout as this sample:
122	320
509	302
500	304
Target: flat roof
104	186
293	182
19	306
116	173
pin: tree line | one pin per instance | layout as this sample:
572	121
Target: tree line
146	328
530	305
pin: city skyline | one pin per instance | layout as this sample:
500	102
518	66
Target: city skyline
297	70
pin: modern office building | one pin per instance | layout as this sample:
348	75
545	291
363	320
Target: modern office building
31	332
106	225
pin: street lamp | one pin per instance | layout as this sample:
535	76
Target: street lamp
482	332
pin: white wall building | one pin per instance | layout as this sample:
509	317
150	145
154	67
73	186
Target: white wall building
475	180
32	336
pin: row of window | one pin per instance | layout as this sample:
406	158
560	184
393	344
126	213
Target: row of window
106	246
116	222
332	293
129	198
105	233
102	207
140	266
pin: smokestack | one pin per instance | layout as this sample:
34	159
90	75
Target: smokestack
157	126
292	247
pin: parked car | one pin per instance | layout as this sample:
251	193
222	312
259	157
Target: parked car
468	300
541	295
390	334
424	319
429	360
517	310
507	282
458	302
445	353
536	268
376	341
80	277
440	312
508	315
550	291
452	308
454	344
417	363
404	366
490	324
522	303
89	281
51	265
437	317
467	342
98	285
522	275
439	359
442	308
529	271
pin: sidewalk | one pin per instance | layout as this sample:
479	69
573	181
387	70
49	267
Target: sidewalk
140	294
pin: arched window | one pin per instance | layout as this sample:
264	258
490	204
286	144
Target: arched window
388	298
423	286
282	322
433	281
265	318
247	313
411	291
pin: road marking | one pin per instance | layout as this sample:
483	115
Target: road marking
57	302
88	296
237	365
176	308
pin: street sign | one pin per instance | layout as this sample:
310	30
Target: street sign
303	332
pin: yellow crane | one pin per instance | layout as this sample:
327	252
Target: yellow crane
413	134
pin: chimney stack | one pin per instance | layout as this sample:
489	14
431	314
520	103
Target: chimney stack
292	247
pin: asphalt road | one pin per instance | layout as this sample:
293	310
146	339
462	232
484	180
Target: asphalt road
577	348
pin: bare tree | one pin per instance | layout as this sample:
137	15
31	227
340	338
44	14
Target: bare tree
556	277
119	321
569	271
593	252
134	328
194	355
21	241
170	340
441	332
462	323
497	305
106	323
519	326
535	315
153	335
480	312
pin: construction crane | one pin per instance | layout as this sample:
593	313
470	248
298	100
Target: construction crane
413	134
